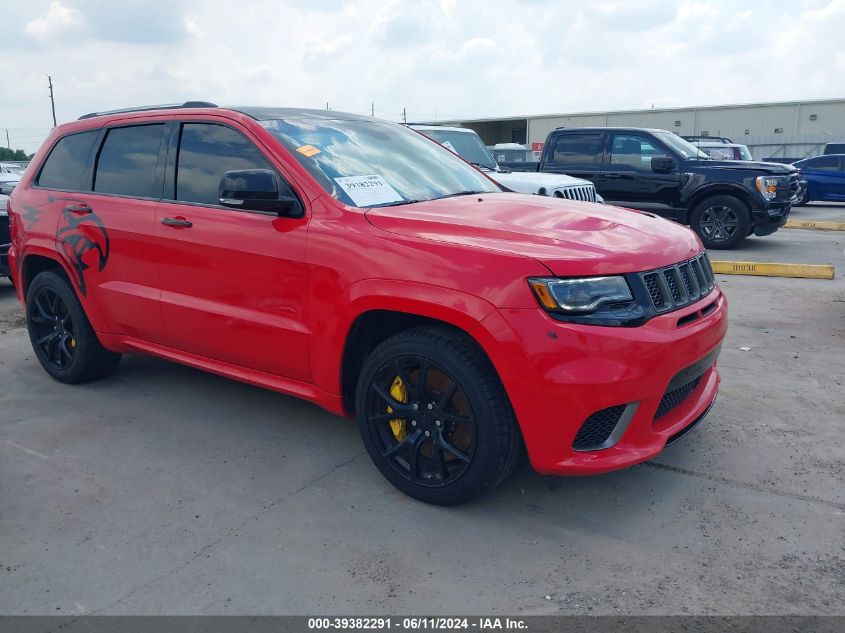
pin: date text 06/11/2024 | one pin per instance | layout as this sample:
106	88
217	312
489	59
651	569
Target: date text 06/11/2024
416	623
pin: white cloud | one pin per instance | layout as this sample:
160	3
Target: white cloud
57	19
468	58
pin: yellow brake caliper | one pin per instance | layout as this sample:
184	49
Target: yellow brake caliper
399	391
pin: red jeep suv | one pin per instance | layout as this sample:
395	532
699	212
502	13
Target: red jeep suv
359	265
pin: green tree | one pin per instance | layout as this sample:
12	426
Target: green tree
13	154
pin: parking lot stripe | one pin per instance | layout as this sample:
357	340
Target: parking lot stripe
814	225
768	269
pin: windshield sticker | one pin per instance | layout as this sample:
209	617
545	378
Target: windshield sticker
366	191
308	150
449	146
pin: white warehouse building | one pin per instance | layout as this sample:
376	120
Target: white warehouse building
794	129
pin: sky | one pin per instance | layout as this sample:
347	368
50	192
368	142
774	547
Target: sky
436	59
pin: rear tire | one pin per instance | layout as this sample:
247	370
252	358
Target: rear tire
434	416
722	222
61	335
805	199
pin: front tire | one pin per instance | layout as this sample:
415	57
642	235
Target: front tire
722	222
434	416
61	335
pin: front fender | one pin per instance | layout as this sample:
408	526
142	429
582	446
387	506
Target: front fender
721	188
459	309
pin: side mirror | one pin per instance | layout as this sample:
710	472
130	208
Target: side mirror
663	164
257	190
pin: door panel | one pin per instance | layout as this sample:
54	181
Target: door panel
578	155
234	287
108	233
120	266
627	175
234	283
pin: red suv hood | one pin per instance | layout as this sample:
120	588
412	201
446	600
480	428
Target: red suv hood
570	238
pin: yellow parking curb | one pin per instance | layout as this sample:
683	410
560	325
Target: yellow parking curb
768	269
816	225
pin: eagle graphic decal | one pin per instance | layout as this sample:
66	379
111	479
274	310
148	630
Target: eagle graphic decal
83	242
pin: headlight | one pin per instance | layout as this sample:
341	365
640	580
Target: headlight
767	186
7	187
579	295
599	199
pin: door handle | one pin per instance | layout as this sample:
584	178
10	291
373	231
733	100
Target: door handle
79	208
177	222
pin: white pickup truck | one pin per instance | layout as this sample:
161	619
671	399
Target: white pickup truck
468	145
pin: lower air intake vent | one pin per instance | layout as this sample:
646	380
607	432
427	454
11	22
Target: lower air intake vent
674	398
597	428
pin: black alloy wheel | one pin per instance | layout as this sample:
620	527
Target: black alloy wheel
434	416
53	328
421	421
61	335
721	222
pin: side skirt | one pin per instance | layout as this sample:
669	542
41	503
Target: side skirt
299	389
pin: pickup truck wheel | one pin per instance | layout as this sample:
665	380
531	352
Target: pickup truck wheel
62	337
434	416
721	222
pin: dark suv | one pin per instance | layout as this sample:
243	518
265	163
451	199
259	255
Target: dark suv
724	201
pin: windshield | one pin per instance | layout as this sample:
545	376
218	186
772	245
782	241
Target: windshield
467	145
682	147
366	163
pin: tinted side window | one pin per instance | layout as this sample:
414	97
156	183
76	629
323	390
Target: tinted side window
577	149
127	162
634	151
66	164
827	163
206	152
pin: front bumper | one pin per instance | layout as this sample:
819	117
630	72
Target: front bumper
566	372
769	218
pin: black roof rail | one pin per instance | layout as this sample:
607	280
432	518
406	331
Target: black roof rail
168	106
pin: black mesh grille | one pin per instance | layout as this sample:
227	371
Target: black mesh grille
669	276
699	273
653	290
674	398
597	428
685	277
676	286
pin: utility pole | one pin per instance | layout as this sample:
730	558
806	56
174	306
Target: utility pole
327	105
8	144
372	109
404	117
52	100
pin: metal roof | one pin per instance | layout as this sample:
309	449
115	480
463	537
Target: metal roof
258	112
642	110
